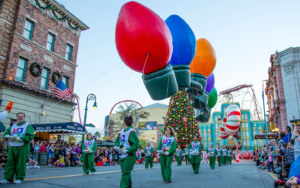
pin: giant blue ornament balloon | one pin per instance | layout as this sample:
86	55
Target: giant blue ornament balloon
184	49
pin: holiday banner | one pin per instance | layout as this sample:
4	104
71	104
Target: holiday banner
149	125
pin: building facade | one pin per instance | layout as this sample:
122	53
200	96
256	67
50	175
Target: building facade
38	46
283	89
248	129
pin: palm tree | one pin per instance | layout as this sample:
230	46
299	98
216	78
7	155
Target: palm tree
97	135
128	109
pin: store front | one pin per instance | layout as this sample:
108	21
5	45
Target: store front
53	132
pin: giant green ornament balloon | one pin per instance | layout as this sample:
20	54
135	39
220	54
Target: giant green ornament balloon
212	98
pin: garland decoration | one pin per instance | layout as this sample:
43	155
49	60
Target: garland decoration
66	17
55	77
35	69
35	91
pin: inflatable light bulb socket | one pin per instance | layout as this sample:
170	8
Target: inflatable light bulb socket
161	84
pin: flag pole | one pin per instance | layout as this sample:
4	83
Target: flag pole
42	106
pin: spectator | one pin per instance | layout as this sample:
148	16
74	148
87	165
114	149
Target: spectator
288	134
37	147
43	146
296	135
3	161
270	164
31	161
50	154
294	182
280	141
32	146
67	154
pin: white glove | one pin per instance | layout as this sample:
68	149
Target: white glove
12	138
196	152
7	136
117	148
159	151
123	151
85	151
18	139
166	153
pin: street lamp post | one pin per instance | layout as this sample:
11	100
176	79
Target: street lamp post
266	127
90	97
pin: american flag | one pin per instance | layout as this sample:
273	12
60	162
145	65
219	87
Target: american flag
61	90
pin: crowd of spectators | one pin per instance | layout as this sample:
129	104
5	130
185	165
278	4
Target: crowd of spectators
280	154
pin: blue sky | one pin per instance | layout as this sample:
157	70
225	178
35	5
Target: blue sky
243	34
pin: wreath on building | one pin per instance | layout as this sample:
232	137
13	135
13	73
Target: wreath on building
35	69
55	76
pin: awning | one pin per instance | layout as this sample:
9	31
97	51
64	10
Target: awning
2	127
263	136
69	127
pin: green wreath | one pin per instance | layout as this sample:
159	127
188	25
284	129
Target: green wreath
55	76
35	69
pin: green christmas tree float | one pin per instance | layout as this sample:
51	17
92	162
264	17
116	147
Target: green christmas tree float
181	117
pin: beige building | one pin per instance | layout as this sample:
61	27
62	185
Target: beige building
149	128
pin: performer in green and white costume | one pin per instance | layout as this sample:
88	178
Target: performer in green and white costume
229	156
127	144
224	158
219	155
88	148
148	155
187	155
19	135
178	154
212	152
166	148
195	150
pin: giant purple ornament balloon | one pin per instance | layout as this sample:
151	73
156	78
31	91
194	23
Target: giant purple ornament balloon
210	82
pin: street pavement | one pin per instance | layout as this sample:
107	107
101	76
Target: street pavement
241	175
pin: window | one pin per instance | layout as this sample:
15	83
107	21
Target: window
29	25
65	80
50	42
69	52
45	78
20	76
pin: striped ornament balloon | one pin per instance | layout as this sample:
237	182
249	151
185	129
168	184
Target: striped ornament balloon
233	119
222	133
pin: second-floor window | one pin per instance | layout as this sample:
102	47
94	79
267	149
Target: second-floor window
20	76
65	80
50	42
28	29
69	52
45	78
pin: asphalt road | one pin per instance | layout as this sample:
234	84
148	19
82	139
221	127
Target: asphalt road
240	175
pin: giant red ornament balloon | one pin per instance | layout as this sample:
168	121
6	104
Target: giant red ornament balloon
142	36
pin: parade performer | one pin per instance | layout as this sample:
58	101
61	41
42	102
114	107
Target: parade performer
187	155
219	155
178	156
204	157
166	148
229	156
127	144
149	155
195	150
19	135
88	148
224	158
212	152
